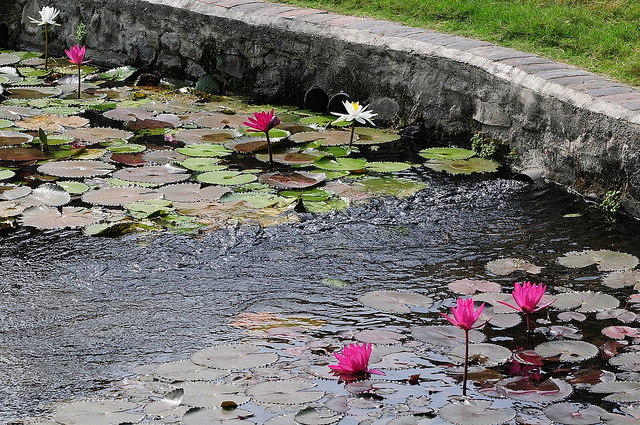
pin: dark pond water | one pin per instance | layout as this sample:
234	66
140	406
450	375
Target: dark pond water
79	312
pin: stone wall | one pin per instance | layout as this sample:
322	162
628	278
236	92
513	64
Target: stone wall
576	128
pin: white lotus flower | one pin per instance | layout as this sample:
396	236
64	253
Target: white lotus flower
47	16
355	111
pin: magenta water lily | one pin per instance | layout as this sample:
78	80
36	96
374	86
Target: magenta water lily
263	121
353	363
527	296
76	57
465	317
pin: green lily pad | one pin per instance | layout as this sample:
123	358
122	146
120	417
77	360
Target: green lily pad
126	148
323	207
387	167
32	72
5	123
66	110
320	120
274	133
8	59
33	92
74	188
258	200
460	166
205	150
340	164
374	136
55	140
118	74
203	164
226	178
399	187
446	154
314	194
6	174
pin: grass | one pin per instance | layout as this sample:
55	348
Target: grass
602	36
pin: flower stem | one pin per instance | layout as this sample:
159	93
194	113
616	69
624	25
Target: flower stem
78	81
46	47
353	127
466	362
269	149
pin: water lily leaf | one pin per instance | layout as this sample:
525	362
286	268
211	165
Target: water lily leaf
620	332
158	174
340	164
219	120
8	59
98	134
486	355
76	168
33	92
6	174
446	336
158	122
397	302
623	315
474	412
248	144
311	416
162	157
388	186
5	123
117	196
206	135
131	159
97	412
567	316
323	207
226	178
502	320
148	208
494	299
21	154
466	166
186	370
471	287
568	413
212	394
74	188
606	260
11	192
319	120
117	228
10	209
217	416
313	194
446	154
329	137
292	179
16	113
568	351
620	279
387	167
192	192
274	134
623	391
505	266
257	200
27	71
118	74
126	148
44	217
374	136
379	337
585	302
55	140
234	356
128	114
13	138
524	388
47	194
207	150
285	392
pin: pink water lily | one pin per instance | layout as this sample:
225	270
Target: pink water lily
353	362
76	57
464	314
263	121
527	296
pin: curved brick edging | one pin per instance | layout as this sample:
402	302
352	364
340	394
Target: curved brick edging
577	128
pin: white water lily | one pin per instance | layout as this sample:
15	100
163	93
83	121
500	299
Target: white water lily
355	111
47	16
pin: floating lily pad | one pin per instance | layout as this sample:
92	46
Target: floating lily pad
98	134
466	166
524	388
388	186
446	336
620	279
33	92
397	302
11	192
115	196
6	174
569	414
192	192
257	200
501	320
340	164
235	356
217	416
474	412
13	138
206	135
374	136
567	351
212	394
292	179
126	148
203	164
76	169
313	194
157	174
50	122
97	412
621	332
8	59
219	120
186	370
471	287
10	209
447	154
585	302
606	260
74	188
505	266
567	316
118	74
47	194
205	150
44	217
163	156
387	167
329	138
620	314
486	355
330	205
248	144
311	416
285	392
622	391
19	153
226	178
131	159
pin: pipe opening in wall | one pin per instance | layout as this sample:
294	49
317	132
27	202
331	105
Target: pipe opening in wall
4	35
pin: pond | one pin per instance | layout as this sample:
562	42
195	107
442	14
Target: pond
162	309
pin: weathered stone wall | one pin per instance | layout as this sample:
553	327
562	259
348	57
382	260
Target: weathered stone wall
574	127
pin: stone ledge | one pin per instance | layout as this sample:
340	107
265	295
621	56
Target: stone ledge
575	127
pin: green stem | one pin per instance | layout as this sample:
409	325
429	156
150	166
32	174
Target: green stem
46	47
269	149
353	127
78	81
466	362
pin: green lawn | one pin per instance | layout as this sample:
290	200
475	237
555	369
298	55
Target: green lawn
601	36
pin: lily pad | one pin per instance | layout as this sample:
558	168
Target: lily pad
157	174
374	136
10	209
74	188
8	59
311	416
606	260
206	135
217	416
474	412
47	194
446	336
622	391
621	332
13	138
621	314
285	392
567	351
387	167
255	199
117	196
33	92
98	134
192	192
118	74
585	302
329	138
44	217
226	178
620	279
466	166
340	164
186	370
97	412
388	186
6	174
486	355
471	287
206	150
212	394
292	179
76	169
447	154
569	414
234	356
506	266
526	389
397	302
126	148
